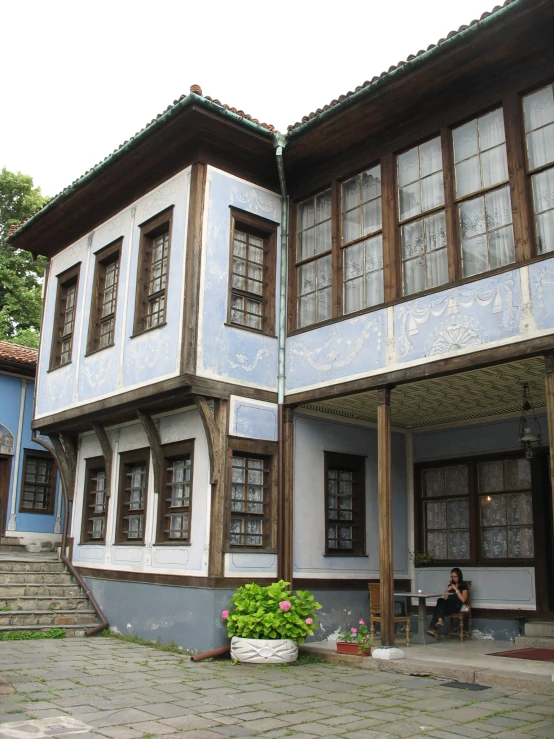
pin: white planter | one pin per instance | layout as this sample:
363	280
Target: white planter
33	548
263	651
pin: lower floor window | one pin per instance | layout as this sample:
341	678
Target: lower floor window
95	504
477	510
175	503
345	509
38	484
133	488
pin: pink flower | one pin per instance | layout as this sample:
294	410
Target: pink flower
361	622
309	621
353	630
284	605
225	615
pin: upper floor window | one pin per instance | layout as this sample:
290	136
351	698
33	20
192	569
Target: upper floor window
539	130
362	242
39	483
95	501
104	300
64	319
153	272
480	164
423	239
344	504
133	495
253	499
314	267
174	515
252	293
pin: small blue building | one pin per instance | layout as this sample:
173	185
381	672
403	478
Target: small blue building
30	503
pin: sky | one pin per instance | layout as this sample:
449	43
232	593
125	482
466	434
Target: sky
80	78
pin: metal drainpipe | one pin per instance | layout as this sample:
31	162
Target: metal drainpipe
280	144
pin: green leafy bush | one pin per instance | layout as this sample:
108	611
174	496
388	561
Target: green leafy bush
271	612
53	633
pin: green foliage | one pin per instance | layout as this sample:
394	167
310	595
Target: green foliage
422	558
20	278
6	607
271	612
359	635
24	635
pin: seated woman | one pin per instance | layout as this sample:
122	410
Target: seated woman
454	598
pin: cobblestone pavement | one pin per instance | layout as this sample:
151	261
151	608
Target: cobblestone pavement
101	688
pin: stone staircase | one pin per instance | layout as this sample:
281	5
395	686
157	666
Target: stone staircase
538	634
40	594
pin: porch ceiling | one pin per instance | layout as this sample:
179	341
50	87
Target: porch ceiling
480	393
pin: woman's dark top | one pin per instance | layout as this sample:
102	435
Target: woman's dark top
453	596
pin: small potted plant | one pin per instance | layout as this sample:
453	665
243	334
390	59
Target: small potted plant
266	623
356	640
421	559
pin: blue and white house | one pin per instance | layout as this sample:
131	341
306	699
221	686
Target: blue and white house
31	504
326	356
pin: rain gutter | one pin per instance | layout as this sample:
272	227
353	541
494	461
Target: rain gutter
458	37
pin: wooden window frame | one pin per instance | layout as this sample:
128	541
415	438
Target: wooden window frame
149	230
351	463
525	239
127	460
266	450
51	493
93	465
266	230
171	452
66	280
476	560
104	258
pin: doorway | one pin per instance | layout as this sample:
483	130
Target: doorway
5	470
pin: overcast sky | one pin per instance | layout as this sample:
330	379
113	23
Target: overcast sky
78	79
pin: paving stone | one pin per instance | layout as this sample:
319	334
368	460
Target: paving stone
166	710
512	723
120	732
188	722
152	727
315	729
546	731
115	718
264	724
232	731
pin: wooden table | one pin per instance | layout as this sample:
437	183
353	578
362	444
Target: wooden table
422	611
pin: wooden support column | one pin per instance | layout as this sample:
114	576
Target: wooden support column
67	473
156	448
107	453
384	486
216	427
286	520
549	392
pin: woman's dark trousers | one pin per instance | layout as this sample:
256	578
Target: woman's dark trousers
444	608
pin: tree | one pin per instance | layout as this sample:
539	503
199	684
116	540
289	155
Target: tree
20	275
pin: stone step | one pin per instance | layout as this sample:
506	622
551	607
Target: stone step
46	618
70	629
12	548
34	566
48	589
534	642
35	578
539	628
9	540
24	603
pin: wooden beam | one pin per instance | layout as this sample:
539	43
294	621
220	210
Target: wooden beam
288	514
193	265
384	494
211	433
391	243
156	447
63	465
549	392
107	453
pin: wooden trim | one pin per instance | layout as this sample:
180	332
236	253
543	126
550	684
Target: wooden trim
211	434
193	266
391	243
159	224
292	276
103	258
384	495
337	285
525	246
442	367
287	553
5	475
63	465
107	453
155	446
93	464
453	242
49	509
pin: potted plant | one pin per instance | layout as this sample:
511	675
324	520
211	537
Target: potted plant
266	623
422	558
356	640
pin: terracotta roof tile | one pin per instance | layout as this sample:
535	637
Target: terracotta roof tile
367	83
19	354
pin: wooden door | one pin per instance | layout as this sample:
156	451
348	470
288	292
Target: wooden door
5	470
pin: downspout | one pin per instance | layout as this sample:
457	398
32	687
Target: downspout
280	144
92	600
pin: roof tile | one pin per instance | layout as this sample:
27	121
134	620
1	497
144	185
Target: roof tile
17	353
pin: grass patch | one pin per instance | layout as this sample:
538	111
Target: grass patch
129	638
6	607
25	635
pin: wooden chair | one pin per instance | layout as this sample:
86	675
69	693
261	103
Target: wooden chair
375	611
460	616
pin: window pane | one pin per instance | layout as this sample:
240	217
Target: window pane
493	510
372	217
539	108
491	130
437	544
410	200
517	474
458	545
430	157
465	141
543	200
432	192
540	145
494	543
408	167
436	514
468	177
491	477
494	166
457	482
480	153
433	482
420	179
458	513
